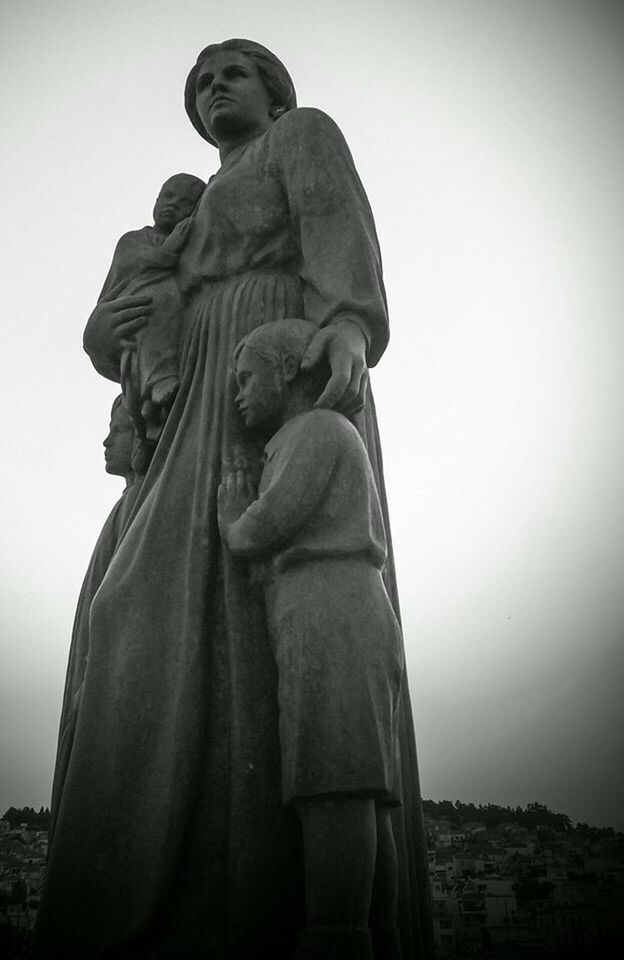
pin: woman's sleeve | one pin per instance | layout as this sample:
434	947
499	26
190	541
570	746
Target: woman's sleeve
294	491
333	225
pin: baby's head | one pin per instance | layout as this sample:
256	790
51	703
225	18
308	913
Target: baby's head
271	387
176	201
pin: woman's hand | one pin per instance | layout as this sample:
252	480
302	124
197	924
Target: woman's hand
344	346
112	326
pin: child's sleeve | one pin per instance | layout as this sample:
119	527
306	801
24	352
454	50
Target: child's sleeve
295	490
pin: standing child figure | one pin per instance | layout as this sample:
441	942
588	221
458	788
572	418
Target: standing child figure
144	264
316	525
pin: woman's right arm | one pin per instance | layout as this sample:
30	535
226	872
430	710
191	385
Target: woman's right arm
111	327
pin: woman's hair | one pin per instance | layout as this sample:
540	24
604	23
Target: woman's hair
273	73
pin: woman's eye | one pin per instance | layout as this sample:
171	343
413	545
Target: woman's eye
205	81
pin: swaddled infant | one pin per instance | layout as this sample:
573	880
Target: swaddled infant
146	260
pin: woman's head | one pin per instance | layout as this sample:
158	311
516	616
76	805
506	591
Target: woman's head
268	89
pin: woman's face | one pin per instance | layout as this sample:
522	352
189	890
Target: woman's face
231	99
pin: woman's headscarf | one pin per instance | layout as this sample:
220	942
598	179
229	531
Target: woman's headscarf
273	73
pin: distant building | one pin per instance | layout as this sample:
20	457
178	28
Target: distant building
512	892
451	839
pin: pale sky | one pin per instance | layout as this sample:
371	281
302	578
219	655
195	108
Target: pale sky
489	135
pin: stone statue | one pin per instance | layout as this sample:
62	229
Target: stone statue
119	450
144	262
318	525
173	838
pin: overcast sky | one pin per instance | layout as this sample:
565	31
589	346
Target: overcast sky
490	138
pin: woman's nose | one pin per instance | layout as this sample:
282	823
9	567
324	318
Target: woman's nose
217	84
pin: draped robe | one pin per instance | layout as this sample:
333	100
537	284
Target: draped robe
79	648
172	839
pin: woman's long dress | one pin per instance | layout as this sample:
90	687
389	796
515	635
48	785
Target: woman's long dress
172	840
101	557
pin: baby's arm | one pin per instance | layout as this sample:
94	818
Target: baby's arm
262	526
142	256
163	257
174	243
155	258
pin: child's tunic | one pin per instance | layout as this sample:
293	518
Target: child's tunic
336	640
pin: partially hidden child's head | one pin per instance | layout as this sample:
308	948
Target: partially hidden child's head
120	440
177	199
266	367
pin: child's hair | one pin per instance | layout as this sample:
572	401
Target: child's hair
277	339
188	179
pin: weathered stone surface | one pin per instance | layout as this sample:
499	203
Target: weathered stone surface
172	838
144	264
119	446
315	531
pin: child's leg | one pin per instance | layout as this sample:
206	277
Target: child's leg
384	902
385	887
339	844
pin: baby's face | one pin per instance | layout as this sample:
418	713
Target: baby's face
176	201
260	397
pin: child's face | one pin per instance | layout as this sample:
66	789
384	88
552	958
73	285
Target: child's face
119	442
260	397
175	202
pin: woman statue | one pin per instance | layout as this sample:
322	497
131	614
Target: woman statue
172	839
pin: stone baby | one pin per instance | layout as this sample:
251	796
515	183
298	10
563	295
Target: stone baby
145	263
316	526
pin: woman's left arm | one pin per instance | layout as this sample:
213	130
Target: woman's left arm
340	264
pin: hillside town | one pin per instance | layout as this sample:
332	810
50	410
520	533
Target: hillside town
504	883
523	883
23	851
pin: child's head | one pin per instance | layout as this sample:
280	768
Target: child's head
177	199
266	366
120	440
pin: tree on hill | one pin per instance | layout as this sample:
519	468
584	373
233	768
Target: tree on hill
536	815
28	815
